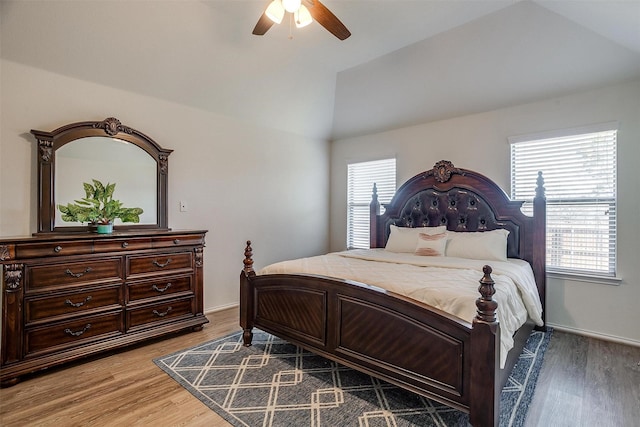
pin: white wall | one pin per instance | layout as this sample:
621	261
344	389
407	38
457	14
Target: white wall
479	142
240	181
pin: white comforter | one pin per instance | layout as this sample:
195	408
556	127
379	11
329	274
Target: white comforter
450	284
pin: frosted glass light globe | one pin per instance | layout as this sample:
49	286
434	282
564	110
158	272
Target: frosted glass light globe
291	5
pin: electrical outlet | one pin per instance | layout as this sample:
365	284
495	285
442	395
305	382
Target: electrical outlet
183	206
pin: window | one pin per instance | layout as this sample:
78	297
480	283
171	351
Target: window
579	170
360	180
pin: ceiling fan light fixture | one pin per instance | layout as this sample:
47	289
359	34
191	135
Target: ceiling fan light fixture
302	17
291	5
275	11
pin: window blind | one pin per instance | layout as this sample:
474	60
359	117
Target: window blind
360	179
580	180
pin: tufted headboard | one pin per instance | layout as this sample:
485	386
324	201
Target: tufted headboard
465	200
459	210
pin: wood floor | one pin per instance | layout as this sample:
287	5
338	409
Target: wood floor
587	382
584	382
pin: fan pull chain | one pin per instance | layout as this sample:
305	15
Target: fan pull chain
290	26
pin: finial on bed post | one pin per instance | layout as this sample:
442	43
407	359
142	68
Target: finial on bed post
540	185
374	206
485	304
248	260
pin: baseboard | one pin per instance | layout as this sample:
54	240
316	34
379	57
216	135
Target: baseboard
221	308
596	335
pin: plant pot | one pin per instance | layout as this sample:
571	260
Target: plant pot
105	228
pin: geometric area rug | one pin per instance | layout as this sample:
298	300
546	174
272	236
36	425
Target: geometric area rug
275	383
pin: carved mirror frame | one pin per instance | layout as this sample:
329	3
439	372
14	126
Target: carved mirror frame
50	142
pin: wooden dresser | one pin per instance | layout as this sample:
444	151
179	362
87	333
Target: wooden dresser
68	296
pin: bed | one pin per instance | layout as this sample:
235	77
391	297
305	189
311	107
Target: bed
392	335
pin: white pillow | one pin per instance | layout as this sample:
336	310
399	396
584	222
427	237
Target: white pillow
490	245
431	244
405	239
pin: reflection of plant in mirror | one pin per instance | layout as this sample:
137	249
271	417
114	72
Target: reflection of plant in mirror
98	206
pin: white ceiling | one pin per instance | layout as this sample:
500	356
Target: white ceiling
406	62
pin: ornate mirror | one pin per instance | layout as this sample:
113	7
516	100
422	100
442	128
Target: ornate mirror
110	153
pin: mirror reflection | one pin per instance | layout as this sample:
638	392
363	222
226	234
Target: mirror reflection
109	160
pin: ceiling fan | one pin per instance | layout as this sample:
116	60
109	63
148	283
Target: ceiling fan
304	12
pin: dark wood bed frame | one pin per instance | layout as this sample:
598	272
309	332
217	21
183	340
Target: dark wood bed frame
392	337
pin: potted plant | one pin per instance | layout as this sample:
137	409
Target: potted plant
98	207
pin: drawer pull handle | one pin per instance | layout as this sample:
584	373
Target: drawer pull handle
72	274
157	289
78	304
161	265
157	313
124	245
77	333
176	241
57	249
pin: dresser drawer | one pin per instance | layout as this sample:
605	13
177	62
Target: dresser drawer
74	273
161	312
158	287
72	303
178	240
48	249
73	333
159	263
112	245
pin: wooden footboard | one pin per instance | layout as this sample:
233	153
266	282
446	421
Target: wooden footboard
391	337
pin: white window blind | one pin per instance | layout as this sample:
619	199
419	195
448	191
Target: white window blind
579	173
360	179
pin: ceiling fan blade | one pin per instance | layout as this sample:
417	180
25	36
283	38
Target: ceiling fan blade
328	20
263	25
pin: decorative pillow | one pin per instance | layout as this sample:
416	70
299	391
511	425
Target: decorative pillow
431	244
490	245
405	239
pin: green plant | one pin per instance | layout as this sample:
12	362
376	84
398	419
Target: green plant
98	206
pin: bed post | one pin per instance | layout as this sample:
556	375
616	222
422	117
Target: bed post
246	295
539	243
485	357
374	211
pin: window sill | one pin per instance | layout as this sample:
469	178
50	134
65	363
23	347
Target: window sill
603	280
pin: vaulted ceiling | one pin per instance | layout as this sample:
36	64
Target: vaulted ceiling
406	62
